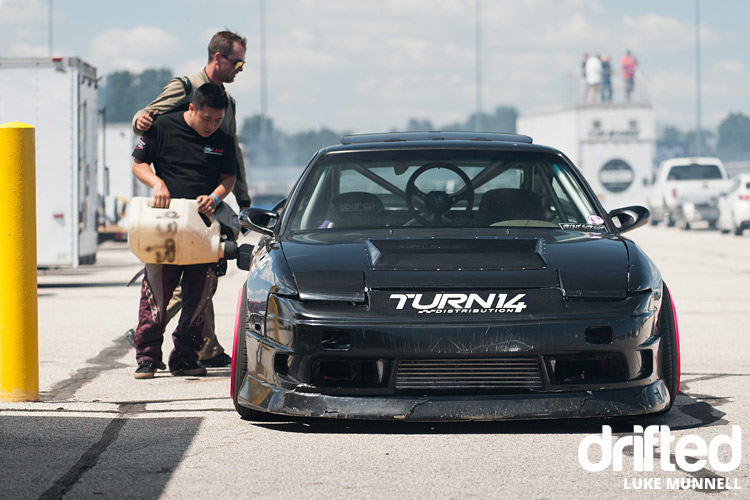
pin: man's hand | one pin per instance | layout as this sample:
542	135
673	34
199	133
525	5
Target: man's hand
161	195
206	204
143	173
145	121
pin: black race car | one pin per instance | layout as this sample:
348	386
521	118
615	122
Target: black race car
450	276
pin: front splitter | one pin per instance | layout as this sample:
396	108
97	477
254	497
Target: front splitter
641	400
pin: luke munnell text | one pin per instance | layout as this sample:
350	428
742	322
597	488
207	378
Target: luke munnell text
682	483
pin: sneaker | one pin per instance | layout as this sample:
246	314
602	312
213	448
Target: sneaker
146	369
222	359
130	336
188	368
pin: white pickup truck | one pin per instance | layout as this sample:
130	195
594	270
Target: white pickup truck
686	190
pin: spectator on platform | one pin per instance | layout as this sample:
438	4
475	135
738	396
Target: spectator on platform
606	90
593	76
584	85
628	64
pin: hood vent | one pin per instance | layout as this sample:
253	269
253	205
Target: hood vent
455	254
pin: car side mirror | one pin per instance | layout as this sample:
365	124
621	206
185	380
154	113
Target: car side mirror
629	218
259	220
279	205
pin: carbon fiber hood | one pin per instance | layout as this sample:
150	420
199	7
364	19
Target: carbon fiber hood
342	266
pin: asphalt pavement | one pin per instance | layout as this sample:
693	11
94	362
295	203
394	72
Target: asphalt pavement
99	433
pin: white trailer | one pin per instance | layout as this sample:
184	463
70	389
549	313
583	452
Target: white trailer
614	145
59	97
116	180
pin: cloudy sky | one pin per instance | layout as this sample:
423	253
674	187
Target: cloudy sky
370	65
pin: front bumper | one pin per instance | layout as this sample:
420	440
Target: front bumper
601	360
708	212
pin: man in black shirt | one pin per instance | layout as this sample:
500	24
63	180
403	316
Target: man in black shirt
226	54
192	159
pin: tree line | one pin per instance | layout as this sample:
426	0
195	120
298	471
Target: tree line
270	146
124	93
730	142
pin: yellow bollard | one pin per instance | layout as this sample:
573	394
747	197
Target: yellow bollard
19	346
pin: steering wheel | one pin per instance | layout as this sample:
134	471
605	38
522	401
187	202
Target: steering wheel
430	208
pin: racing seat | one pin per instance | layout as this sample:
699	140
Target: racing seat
508	204
356	209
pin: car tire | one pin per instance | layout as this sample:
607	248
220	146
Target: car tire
239	360
670	219
669	346
737	231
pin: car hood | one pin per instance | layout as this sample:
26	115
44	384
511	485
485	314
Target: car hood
343	266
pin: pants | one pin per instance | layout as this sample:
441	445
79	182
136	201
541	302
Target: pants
160	281
211	346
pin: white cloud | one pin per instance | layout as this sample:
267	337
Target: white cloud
730	68
28	50
673	94
568	33
300	59
134	49
721	95
669	34
190	67
16	12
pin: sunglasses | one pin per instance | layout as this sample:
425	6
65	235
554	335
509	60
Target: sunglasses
238	63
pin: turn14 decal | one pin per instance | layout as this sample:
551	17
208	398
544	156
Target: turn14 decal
459	303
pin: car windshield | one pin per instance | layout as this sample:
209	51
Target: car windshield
440	188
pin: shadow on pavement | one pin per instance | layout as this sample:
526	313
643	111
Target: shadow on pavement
99	284
112	458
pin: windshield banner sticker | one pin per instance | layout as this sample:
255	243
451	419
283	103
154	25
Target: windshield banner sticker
459	303
582	227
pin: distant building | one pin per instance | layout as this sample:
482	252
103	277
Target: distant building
614	145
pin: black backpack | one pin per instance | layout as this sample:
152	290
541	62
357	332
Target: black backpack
182	104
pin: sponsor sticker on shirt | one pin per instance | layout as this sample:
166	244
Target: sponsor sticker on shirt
213	151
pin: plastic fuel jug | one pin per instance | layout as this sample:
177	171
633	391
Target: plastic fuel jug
177	235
